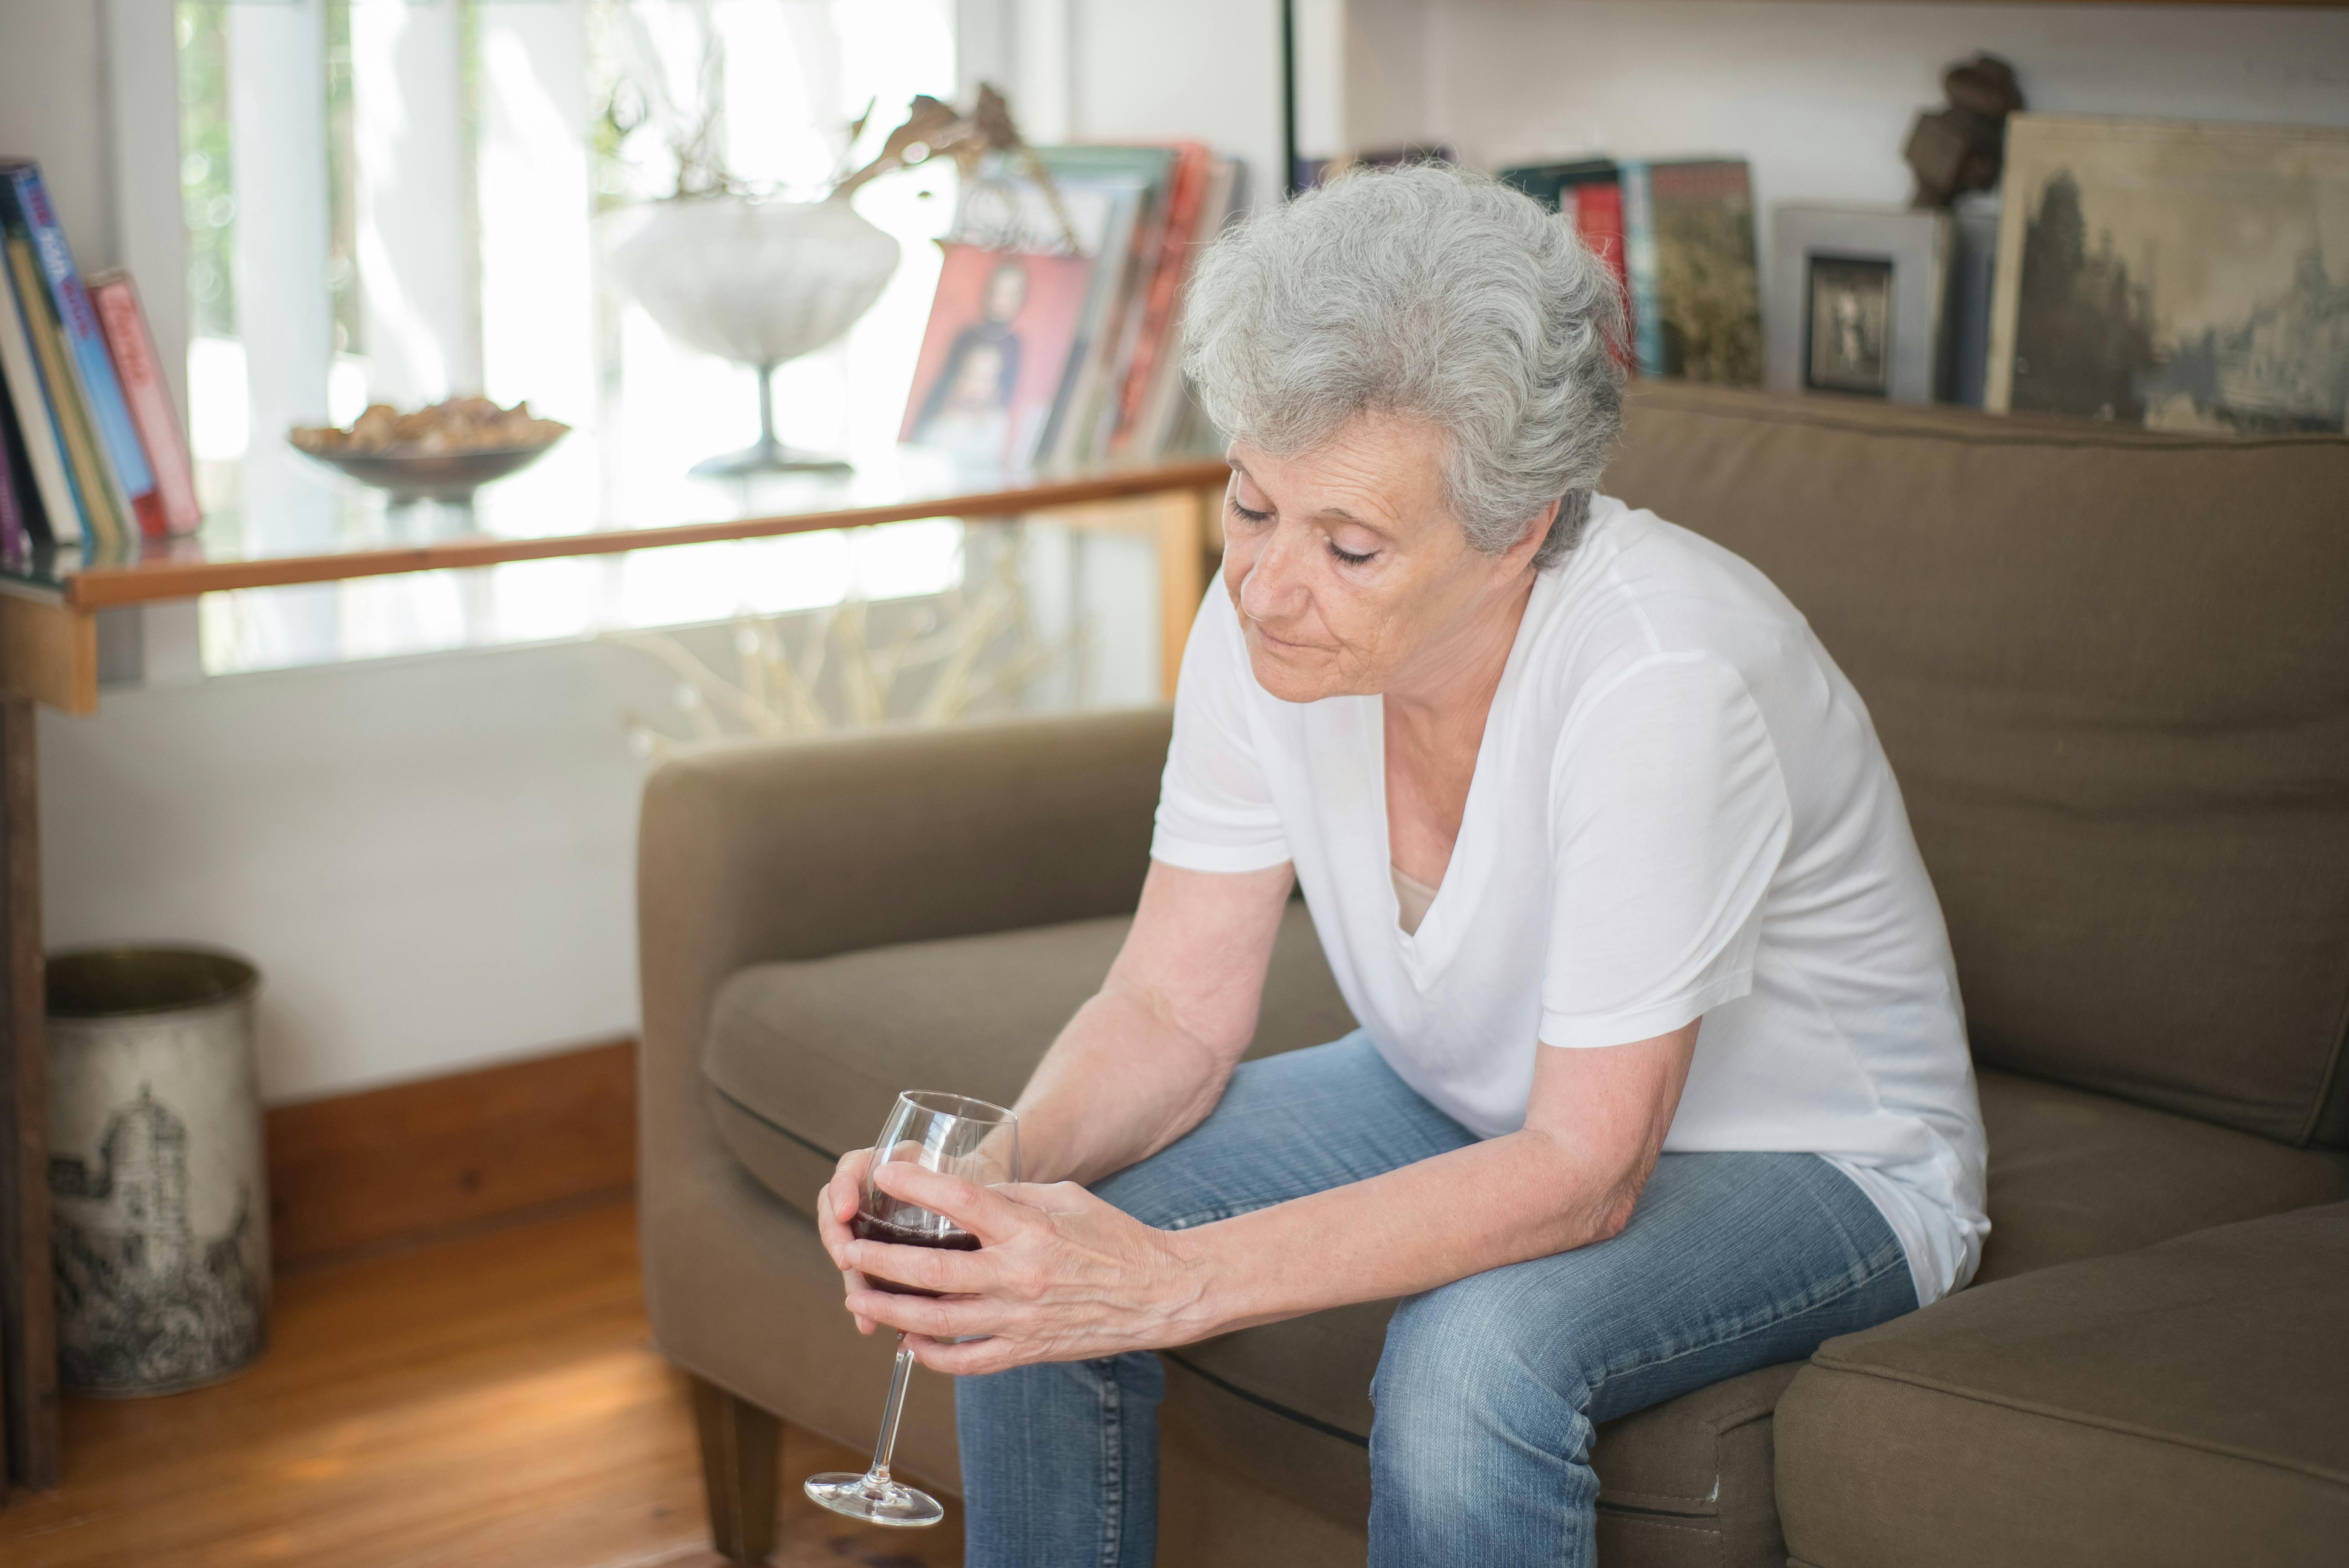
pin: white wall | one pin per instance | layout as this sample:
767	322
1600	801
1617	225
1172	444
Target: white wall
51	108
1819	97
1205	69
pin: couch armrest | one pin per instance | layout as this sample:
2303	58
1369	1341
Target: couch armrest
802	848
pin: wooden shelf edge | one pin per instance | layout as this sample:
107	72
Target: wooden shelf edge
48	652
103	586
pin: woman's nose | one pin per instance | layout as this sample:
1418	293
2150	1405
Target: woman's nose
1274	588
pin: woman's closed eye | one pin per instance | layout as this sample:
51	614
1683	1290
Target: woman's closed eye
1348	556
1247	513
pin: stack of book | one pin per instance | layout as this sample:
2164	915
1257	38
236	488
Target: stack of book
1054	340
1680	235
94	453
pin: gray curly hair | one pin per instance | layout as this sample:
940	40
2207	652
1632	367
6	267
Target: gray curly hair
1427	291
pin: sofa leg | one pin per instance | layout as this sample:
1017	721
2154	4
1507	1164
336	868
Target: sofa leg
742	1456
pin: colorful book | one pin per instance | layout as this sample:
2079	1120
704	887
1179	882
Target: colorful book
1695	290
1556	185
15	534
1589	194
24	207
132	346
58	521
1163	413
1185	194
100	523
1640	270
1083	424
32	525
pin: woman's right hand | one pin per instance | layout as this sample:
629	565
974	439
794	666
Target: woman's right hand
836	1203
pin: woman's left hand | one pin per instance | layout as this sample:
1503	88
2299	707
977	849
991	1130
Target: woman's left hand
1059	1275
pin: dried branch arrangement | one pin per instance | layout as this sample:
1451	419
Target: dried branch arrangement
978	649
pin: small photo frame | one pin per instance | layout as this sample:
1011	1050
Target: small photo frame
1846	346
1855	301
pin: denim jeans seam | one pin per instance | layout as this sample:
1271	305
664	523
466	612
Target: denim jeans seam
1875	1267
1112	1467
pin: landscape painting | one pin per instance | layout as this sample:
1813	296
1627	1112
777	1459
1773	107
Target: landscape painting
2173	274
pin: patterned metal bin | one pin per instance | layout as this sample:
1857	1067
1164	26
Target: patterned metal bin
160	1212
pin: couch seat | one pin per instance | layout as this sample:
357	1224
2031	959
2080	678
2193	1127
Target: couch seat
2187	1403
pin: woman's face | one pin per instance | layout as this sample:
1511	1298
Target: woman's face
1350	574
978	384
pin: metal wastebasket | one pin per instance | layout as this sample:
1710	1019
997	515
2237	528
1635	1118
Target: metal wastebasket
158	1187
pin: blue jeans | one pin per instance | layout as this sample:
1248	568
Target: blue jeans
1489	1388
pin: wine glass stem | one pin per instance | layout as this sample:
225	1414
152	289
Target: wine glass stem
903	1374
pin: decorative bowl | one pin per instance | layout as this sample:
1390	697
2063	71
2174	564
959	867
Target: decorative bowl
448	476
757	281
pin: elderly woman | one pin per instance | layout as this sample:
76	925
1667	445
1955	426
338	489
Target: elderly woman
1661	1072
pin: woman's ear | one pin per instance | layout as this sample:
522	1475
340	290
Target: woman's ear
1520	553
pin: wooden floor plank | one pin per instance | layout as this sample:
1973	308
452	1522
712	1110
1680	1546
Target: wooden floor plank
493	1401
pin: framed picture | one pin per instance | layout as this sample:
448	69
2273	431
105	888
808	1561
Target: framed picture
2172	273
1848	301
1855	301
1001	328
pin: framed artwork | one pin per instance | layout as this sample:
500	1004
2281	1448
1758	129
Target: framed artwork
998	343
1849	303
1855	301
2173	273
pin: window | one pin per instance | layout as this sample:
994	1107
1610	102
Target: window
396	201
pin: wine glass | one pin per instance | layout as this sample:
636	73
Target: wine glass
959	1137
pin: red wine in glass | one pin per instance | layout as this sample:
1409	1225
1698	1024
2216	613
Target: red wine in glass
954	1136
865	1228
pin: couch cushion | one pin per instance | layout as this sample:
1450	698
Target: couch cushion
2112	671
803	1060
2187	1403
2074	1175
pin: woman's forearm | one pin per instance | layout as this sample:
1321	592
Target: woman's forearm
1407	1230
1119	1084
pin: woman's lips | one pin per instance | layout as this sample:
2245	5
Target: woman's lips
1283	642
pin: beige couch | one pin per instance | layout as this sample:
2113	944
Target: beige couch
2112	671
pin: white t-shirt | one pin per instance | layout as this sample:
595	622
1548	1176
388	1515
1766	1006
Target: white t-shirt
1680	810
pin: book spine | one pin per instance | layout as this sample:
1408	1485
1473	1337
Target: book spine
1168	398
1640	265
93	368
1599	219
1057	446
31	521
158	422
59	515
16	537
1193	168
82	462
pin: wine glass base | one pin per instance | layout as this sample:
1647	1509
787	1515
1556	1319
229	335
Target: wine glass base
886	1502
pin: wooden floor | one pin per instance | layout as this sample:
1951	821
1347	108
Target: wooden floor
493	1402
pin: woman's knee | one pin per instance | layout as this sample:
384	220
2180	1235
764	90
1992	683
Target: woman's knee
1474	1365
